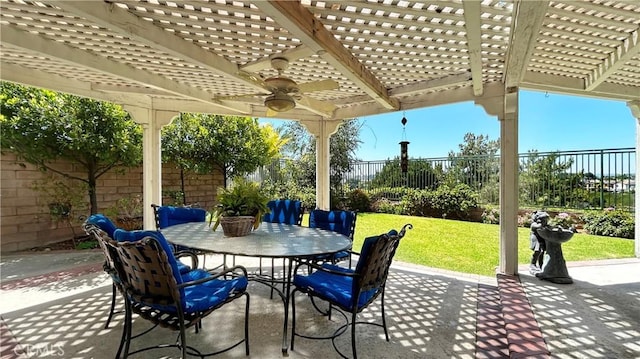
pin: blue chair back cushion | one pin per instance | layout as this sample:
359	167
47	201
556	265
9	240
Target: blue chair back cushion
337	221
284	211
171	216
102	222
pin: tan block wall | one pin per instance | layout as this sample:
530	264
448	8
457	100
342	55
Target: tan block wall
25	221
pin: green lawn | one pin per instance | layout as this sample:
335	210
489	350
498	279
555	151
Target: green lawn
473	247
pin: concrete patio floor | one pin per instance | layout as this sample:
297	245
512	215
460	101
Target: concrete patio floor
55	305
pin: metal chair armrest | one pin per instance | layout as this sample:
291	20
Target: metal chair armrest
190	254
216	275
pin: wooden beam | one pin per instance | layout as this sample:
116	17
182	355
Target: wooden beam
65	53
575	86
472	24
131	26
431	85
301	23
527	22
629	48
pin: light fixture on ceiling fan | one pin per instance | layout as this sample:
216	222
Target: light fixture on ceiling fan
279	102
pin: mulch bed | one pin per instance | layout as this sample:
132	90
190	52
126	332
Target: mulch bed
81	243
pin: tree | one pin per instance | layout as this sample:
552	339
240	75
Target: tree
545	180
421	174
42	126
477	164
300	151
203	143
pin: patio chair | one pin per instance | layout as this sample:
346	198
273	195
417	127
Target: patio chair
170	216
285	211
343	222
101	222
167	216
155	292
351	290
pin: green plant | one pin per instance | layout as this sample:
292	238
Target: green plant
563	220
64	197
244	198
358	200
127	207
87	245
610	222
491	216
524	220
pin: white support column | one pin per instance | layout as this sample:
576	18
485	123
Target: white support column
634	106
509	184
505	107
323	169
152	122
322	130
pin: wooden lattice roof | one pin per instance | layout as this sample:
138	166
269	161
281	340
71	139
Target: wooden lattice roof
385	55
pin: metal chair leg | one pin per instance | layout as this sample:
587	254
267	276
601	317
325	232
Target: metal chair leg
113	305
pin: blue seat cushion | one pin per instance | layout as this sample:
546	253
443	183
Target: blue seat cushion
103	223
208	295
333	287
284	211
171	216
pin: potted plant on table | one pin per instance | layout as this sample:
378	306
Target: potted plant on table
240	208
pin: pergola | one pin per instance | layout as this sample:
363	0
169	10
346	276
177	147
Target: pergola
345	59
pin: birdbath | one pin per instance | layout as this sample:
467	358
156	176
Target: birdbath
555	268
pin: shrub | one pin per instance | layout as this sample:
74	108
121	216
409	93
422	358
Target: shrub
392	193
454	202
610	222
384	205
417	203
491	216
563	220
524	220
358	200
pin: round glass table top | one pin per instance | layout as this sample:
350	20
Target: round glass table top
269	240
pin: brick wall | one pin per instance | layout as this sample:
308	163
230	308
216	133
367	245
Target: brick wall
24	217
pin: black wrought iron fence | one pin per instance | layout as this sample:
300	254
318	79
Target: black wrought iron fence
566	179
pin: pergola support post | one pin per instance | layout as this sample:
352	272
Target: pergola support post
505	107
509	169
322	130
152	122
634	106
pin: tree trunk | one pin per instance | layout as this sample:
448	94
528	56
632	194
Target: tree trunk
92	192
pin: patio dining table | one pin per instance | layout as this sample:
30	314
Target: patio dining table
270	240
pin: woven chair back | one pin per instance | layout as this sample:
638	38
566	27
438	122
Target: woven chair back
146	273
372	268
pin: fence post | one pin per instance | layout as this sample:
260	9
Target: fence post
601	179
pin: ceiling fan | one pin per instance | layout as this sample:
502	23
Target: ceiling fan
285	94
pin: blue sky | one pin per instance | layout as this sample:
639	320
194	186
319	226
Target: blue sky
548	122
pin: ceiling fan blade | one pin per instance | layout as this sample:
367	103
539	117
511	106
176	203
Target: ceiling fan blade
322	85
239	97
252	77
323	108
